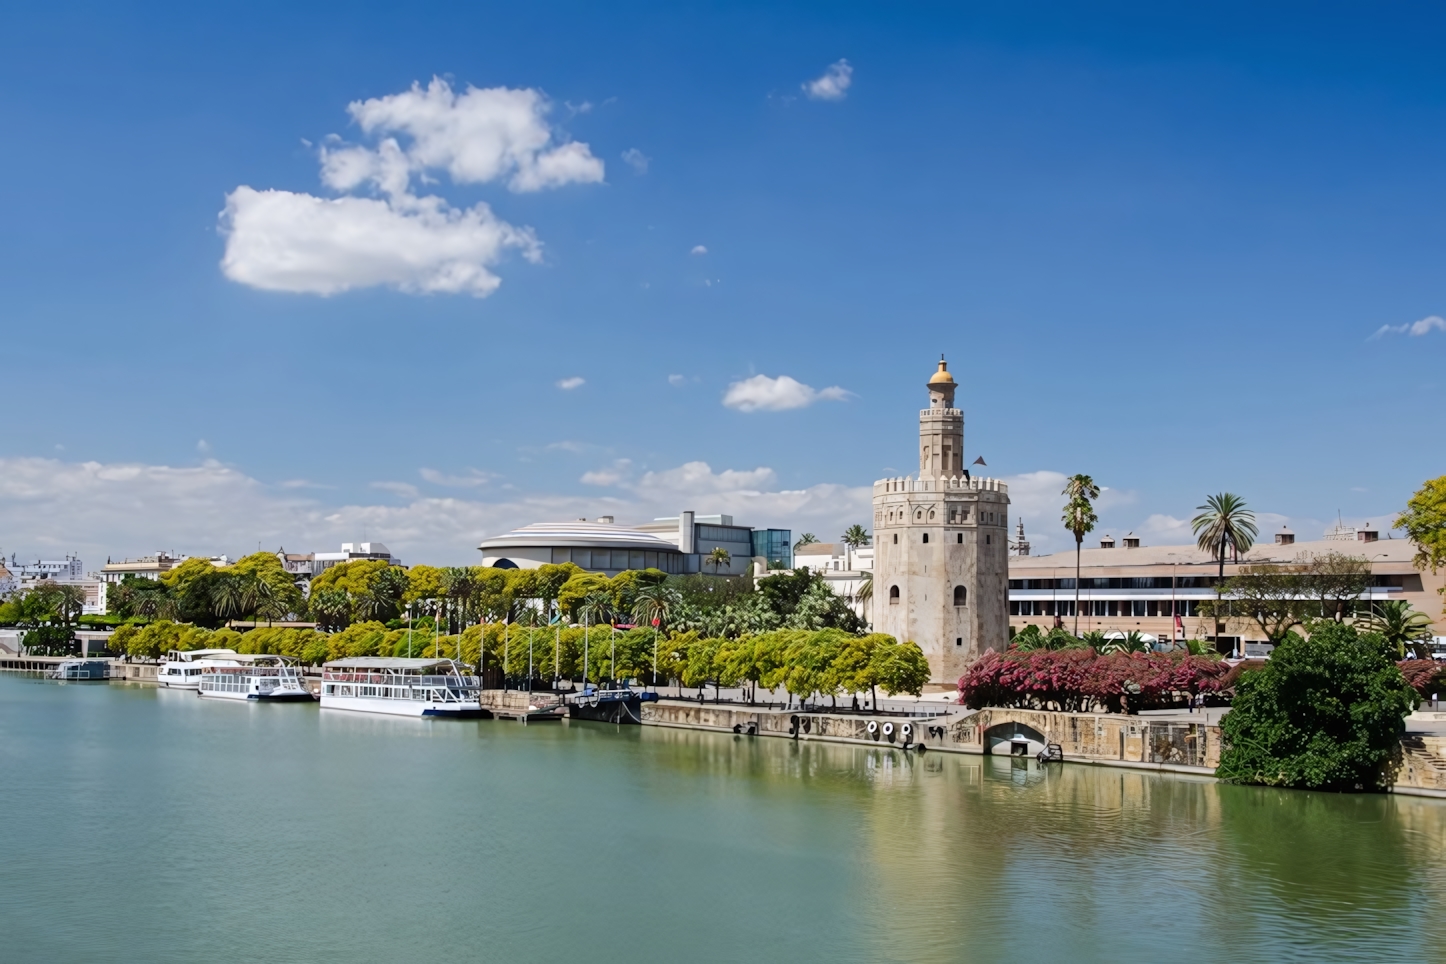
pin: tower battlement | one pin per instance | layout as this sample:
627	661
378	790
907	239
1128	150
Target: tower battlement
951	484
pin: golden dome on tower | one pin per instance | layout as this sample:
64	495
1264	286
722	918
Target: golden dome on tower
942	376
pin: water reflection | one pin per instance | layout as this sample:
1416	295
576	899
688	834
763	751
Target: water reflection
998	858
376	839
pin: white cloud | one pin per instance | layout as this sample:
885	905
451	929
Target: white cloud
287	241
404	489
203	446
283	241
675	380
620	470
761	393
698	249
568	384
1414	328
129	509
833	85
477	136
637	160
471	479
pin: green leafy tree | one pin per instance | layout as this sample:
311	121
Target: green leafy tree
1338	580
1425	523
1326	713
51	640
1224	523
855	536
1401	628
900	667
1079	518
1276	597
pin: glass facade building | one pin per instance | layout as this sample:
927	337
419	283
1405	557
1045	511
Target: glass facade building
775	545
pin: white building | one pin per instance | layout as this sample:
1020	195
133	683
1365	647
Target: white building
844	568
146	567
305	566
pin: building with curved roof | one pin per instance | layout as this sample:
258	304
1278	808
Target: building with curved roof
600	546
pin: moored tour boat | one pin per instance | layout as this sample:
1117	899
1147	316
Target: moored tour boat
259	676
181	669
620	704
400	687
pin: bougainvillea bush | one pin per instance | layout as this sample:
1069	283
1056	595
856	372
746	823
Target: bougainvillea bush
1426	676
1083	680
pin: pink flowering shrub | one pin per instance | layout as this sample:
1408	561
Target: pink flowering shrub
1425	676
1082	680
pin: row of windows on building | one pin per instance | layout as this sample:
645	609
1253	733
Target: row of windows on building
1117	582
1104	607
957	516
670	562
1158	582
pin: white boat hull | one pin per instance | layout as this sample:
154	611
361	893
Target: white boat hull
270	696
393	707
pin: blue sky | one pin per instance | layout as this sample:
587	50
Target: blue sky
1155	246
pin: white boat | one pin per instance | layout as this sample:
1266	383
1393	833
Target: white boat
400	687
181	669
258	676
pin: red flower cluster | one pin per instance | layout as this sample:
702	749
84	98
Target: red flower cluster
1082	680
1425	676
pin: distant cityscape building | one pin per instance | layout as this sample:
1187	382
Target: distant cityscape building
678	545
844	568
70	571
305	566
146	567
1143	588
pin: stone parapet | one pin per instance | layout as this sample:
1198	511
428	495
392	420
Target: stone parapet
948	484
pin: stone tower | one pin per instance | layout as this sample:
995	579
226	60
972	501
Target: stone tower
941	548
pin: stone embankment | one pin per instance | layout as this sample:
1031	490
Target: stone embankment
1174	743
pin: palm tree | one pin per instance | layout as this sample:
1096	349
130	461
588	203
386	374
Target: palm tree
807	539
1223	521
331	607
1079	518
855	536
227	595
1401	628
865	593
720	557
458	584
653	604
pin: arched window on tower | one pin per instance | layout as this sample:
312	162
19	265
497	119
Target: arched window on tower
893	595
960	595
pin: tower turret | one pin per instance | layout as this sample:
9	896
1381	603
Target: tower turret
941	429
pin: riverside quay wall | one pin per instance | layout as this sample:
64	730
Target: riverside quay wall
1138	742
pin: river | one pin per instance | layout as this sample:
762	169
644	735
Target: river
143	825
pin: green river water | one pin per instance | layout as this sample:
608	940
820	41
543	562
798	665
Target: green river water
139	825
